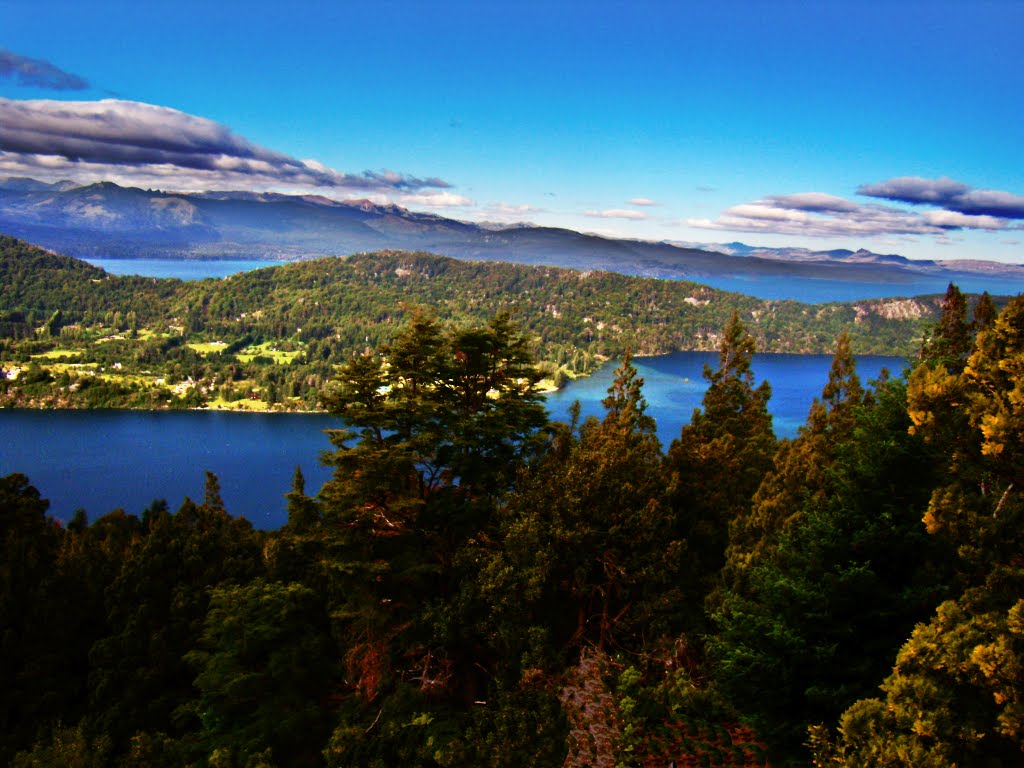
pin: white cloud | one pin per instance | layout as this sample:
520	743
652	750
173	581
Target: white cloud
437	199
949	194
957	219
814	201
607	232
504	213
507	209
642	201
765	212
376	198
914	189
815	214
616	213
143	144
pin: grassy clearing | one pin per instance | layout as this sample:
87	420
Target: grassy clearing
205	348
128	379
57	368
54	354
245	404
267	349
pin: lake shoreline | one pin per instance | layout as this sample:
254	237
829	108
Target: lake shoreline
551	390
103	459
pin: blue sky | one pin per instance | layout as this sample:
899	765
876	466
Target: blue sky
893	126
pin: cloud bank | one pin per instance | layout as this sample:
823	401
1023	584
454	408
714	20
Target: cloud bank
38	73
949	194
147	145
503	211
815	214
616	213
509	209
438	199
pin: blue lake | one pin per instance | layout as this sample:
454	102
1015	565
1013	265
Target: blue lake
817	291
674	386
102	460
194	269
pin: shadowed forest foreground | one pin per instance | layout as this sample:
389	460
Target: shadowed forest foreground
476	586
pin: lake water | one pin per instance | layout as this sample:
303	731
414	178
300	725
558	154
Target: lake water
810	290
674	386
817	291
180	268
102	460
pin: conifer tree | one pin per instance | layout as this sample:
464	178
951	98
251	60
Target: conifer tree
974	418
984	313
590	553
155	607
955	694
437	426
833	566
951	339
295	553
211	495
263	667
721	456
29	543
800	466
935	391
303	510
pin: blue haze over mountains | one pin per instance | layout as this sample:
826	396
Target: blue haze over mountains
106	220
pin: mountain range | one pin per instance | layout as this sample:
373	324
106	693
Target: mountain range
107	220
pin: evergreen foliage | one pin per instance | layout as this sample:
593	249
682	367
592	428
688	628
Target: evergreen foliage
832	567
478	586
589	543
954	695
721	456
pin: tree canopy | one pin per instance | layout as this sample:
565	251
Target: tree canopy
475	585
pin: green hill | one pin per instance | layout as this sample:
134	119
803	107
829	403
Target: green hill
272	336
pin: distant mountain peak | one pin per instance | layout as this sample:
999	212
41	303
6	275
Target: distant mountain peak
501	226
105	185
321	200
25	184
368	206
106	219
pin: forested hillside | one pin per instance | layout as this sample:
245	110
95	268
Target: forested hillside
73	336
476	586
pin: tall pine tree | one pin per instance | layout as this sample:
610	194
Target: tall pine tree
721	456
437	425
833	566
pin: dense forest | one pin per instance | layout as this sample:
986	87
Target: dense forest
72	336
477	586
